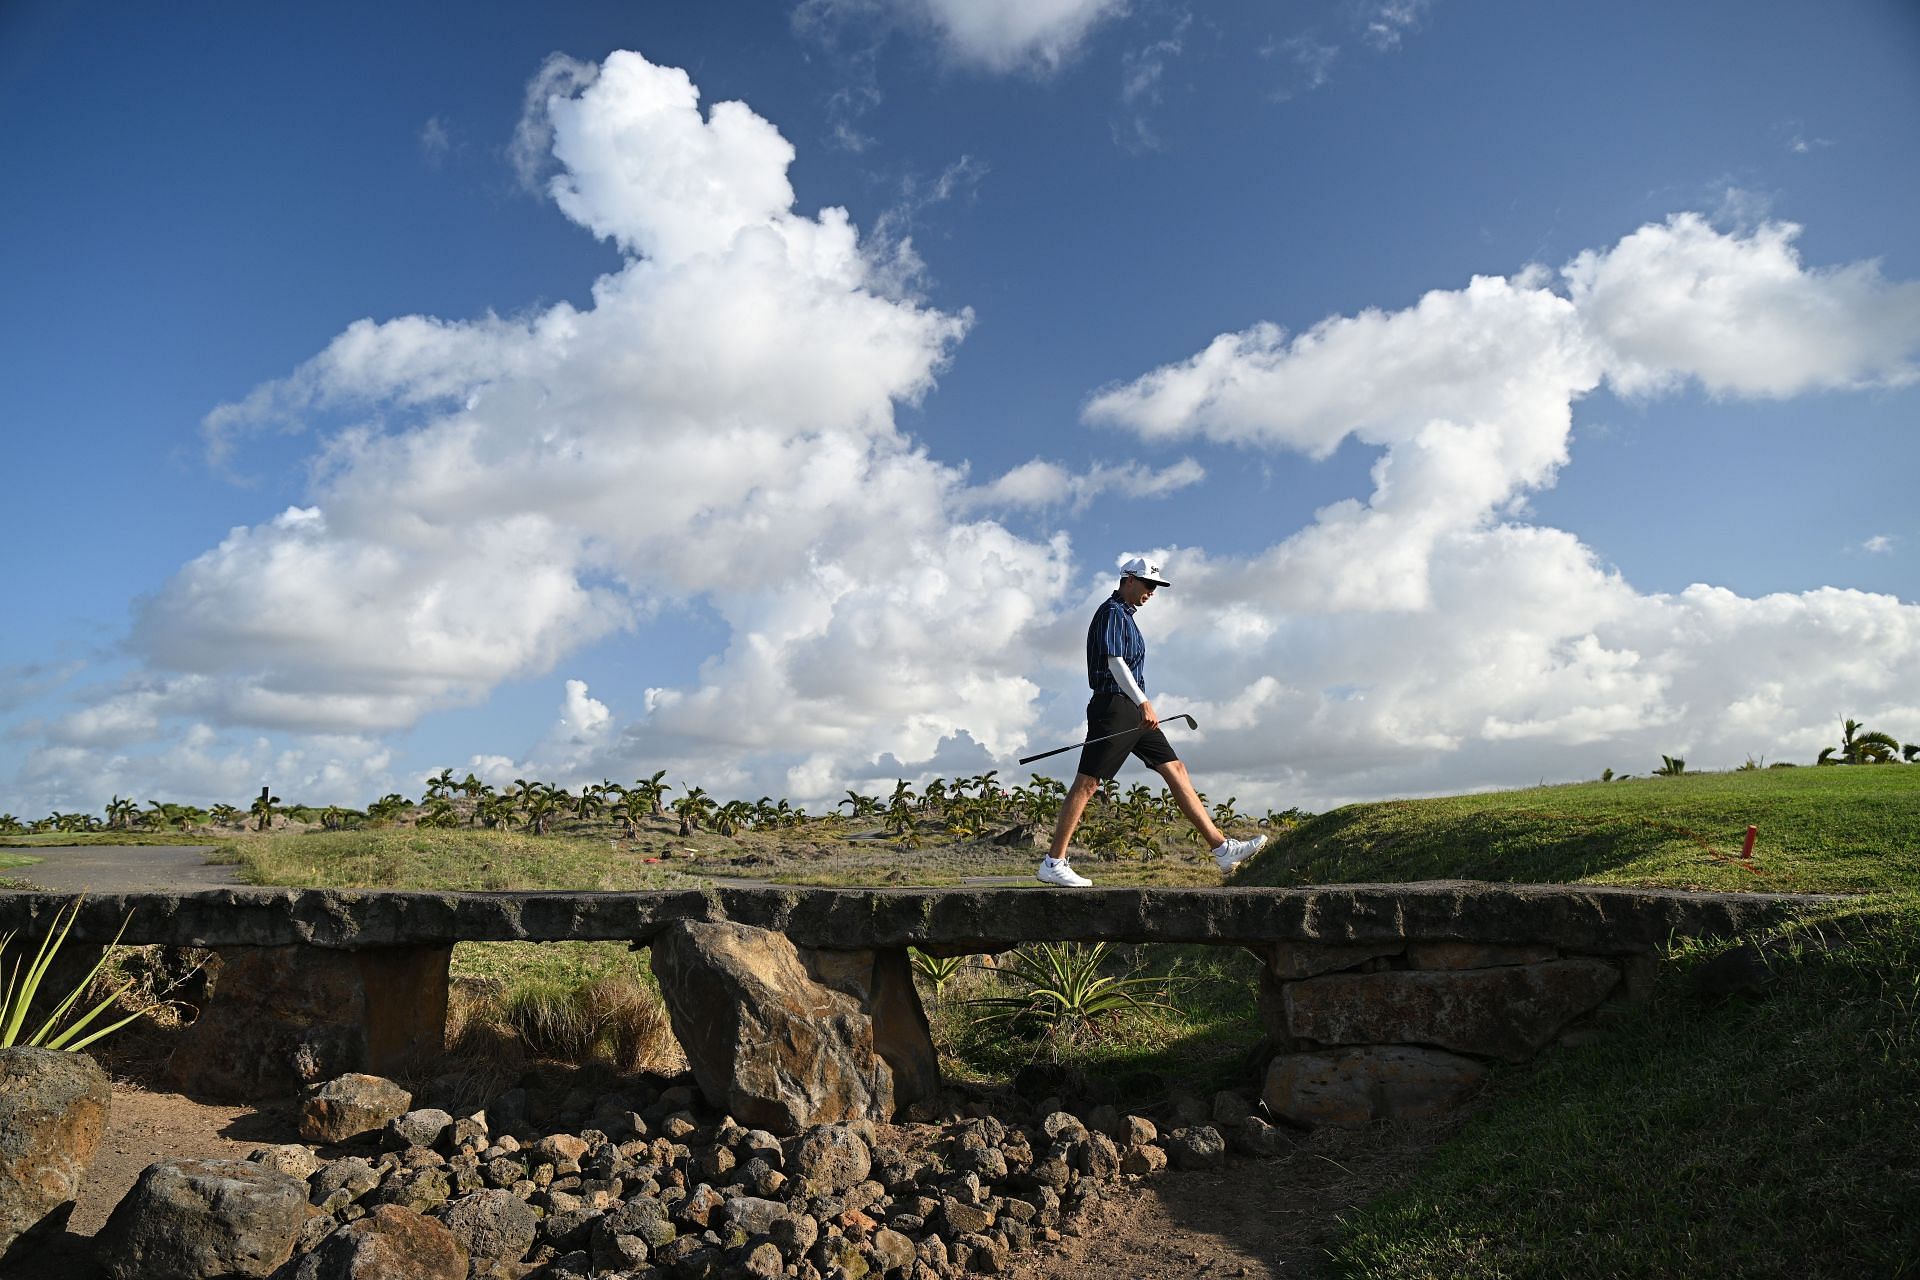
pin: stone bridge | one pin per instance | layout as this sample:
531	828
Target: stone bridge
798	1005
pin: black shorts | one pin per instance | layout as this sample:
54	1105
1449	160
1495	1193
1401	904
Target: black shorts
1111	713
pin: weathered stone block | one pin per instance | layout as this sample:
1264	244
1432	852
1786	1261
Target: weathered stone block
1348	1088
280	1018
1475	955
1508	1013
1291	961
53	1112
769	1043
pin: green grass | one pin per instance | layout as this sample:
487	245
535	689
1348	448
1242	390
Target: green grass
11	860
1696	1137
417	858
1775	1138
1821	830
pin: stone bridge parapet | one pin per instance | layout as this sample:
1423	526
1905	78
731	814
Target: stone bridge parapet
1585	918
797	1005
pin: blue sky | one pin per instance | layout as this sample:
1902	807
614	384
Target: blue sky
790	550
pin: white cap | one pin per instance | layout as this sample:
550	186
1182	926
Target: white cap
1144	570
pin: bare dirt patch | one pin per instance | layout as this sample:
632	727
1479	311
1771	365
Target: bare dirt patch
1268	1219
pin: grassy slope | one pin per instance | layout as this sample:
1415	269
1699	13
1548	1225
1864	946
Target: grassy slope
1778	1137
1820	830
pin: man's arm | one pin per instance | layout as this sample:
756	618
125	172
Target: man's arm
1123	676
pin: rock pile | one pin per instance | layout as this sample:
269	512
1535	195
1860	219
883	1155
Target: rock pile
649	1185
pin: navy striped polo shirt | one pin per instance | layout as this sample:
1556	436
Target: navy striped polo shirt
1113	633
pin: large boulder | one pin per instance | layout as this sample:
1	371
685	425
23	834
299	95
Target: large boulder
350	1106
194	1219
1349	1088
391	1243
770	1042
1510	1012
53	1112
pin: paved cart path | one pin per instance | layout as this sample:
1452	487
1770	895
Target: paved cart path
121	868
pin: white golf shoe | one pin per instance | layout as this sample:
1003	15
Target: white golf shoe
1056	872
1234	852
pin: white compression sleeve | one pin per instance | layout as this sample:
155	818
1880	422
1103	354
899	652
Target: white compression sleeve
1118	666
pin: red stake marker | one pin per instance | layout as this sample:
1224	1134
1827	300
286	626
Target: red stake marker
1746	850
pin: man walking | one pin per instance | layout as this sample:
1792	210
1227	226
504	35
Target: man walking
1117	670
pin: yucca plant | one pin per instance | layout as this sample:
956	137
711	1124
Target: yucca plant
1065	989
20	991
938	971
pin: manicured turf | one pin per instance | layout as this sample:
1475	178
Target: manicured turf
1832	829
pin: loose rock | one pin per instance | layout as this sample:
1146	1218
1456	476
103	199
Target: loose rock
53	1112
349	1106
190	1219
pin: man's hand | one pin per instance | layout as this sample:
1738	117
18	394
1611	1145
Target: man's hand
1149	717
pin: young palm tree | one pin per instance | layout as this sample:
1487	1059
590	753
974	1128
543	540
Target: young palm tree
263	809
120	813
692	808
439	814
1860	745
653	789
439	785
540	806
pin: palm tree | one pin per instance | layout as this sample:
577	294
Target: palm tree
224	814
1670	767
692	808
262	809
439	785
471	787
1860	745
439	814
731	816
541	803
492	811
862	806
653	789
391	805
120	813
588	804
10	825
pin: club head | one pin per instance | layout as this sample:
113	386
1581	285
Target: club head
1191	722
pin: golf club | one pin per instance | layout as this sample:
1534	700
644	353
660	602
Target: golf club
1164	722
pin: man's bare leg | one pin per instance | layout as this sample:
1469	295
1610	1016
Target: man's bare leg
1071	808
1184	795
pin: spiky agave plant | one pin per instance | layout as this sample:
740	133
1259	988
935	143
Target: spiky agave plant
20	990
1066	992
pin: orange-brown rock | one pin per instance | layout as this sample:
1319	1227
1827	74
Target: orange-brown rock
53	1111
